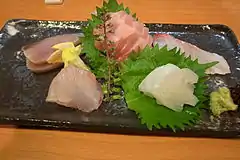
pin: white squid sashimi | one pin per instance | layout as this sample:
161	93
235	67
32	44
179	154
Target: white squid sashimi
196	53
171	86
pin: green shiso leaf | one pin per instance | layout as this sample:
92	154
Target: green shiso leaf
138	66
98	62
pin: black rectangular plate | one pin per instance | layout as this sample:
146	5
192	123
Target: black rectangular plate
23	93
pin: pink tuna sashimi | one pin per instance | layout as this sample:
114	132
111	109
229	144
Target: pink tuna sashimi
75	88
126	33
196	53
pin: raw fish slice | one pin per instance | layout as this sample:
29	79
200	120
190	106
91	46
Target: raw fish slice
40	68
76	88
129	20
39	52
175	93
126	46
196	53
124	29
171	86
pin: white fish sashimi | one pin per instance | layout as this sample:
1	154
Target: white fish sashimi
196	53
171	86
75	88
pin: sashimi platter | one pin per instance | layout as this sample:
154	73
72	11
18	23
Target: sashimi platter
113	73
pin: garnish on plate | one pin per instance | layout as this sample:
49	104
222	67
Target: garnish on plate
221	101
68	54
102	62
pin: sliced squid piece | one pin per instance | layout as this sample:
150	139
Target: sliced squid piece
171	86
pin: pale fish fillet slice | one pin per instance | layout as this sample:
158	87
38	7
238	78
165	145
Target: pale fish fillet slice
75	88
161	84
41	68
196	53
40	51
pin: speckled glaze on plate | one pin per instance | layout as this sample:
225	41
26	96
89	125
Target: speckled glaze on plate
23	93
